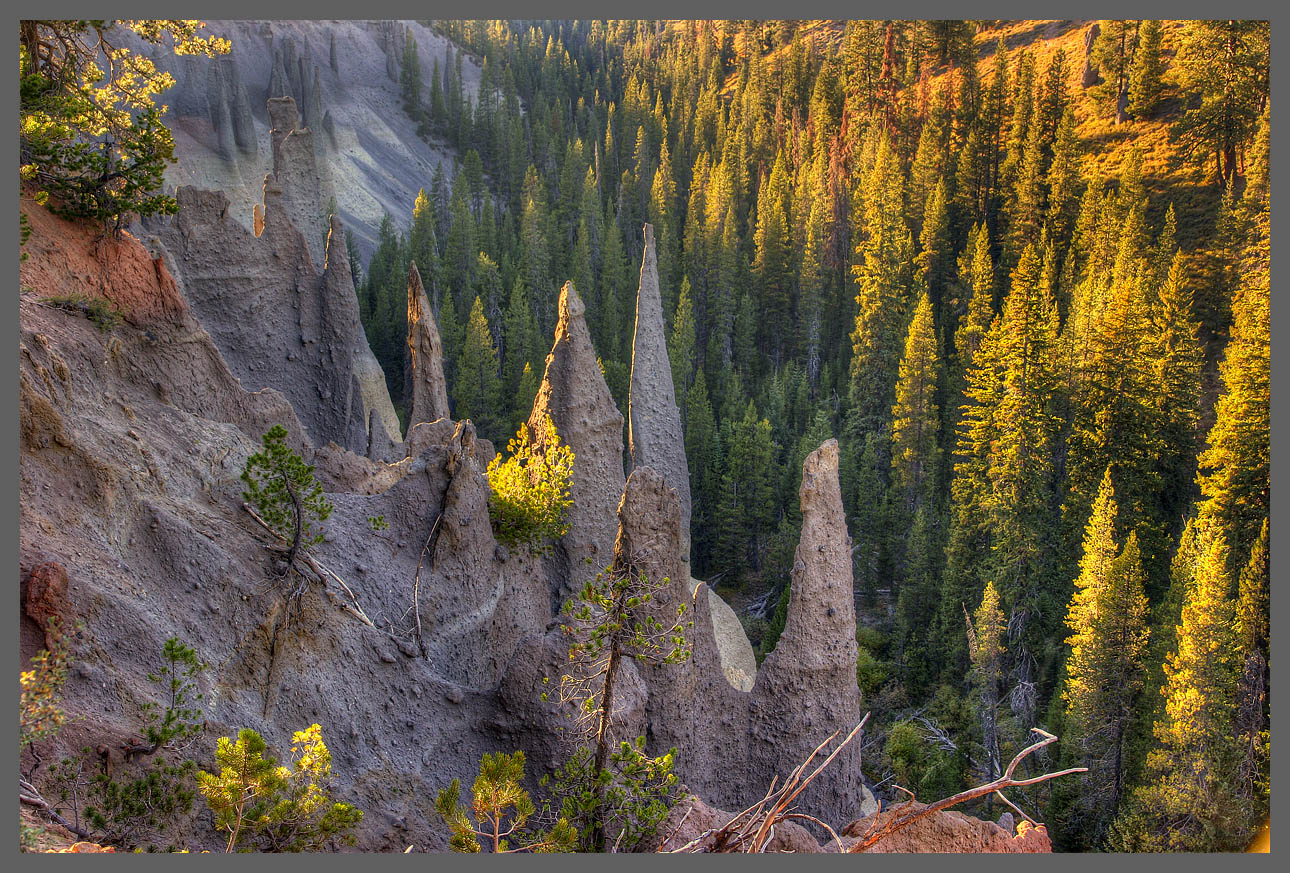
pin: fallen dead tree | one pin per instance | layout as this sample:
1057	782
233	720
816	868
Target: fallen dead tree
753	829
1005	781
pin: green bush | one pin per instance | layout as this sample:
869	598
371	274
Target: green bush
99	311
871	673
529	498
627	800
269	808
501	808
920	765
282	489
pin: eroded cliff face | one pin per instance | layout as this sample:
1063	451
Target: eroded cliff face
344	79
654	431
279	318
440	643
574	394
427	390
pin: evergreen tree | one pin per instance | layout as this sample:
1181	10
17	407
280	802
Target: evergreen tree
681	345
1252	712
476	392
1147	71
1226	63
985	631
410	84
1188	802
886	283
915	418
1104	671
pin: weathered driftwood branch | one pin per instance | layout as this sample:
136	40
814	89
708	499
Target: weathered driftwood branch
28	794
319	570
1005	781
753	829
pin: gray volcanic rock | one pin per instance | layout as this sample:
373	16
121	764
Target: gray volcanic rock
654	430
372	154
426	386
738	661
806	688
573	392
296	169
277	321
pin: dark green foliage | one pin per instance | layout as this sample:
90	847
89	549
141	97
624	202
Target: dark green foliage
282	489
100	312
629	799
145	799
804	207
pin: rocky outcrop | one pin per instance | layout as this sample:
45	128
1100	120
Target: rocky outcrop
278	322
574	394
738	662
1090	76
296	172
44	598
946	831
230	110
654	430
426	386
806	688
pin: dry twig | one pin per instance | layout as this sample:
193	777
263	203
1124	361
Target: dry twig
754	829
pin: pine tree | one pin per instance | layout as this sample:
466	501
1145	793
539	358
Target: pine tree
1235	468
985	632
681	345
703	453
410	84
886	283
1188	802
1104	671
477	388
1226	63
915	453
1252	724
1114	52
1147	71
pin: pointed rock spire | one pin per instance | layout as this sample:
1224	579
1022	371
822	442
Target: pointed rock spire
654	422
573	392
806	687
426	389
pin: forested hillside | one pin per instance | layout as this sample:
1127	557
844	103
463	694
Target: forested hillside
1019	269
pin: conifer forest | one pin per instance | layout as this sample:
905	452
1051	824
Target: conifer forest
1019	270
1026	288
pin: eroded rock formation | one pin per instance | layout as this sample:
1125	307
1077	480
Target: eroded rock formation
426	386
654	433
574	394
278	322
806	688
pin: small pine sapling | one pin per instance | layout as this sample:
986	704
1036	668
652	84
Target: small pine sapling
282	489
500	808
130	807
274	808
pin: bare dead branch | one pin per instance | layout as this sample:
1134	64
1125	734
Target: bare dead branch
1005	781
